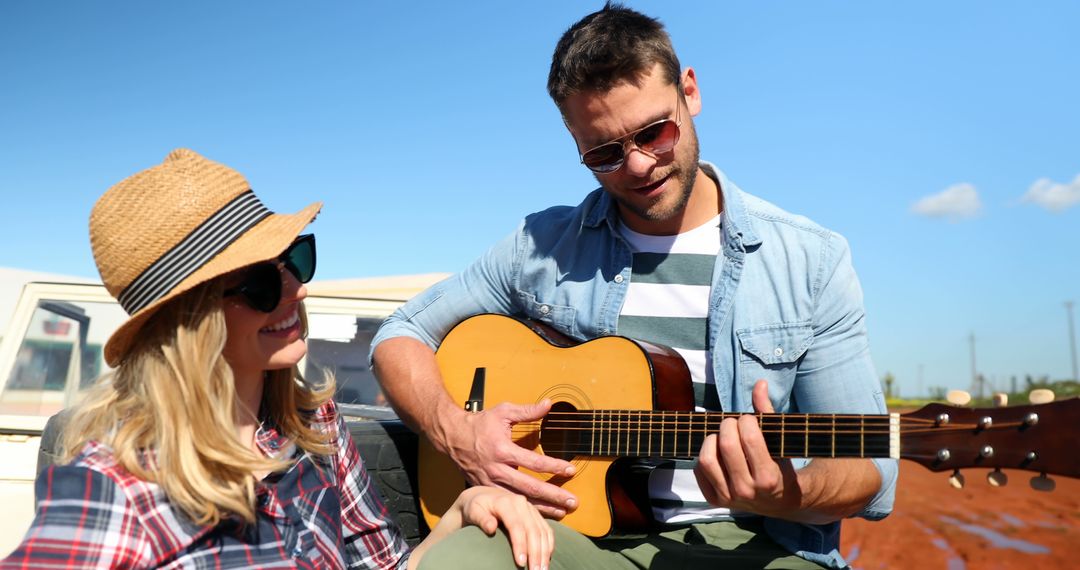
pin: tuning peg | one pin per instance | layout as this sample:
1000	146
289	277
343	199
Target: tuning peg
958	397
957	479
997	478
1042	483
1001	399
1041	396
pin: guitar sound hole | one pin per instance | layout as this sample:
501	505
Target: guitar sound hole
558	435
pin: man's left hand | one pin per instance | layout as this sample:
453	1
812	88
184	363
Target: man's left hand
735	470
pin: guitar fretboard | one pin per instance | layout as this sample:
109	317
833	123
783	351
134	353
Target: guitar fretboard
633	433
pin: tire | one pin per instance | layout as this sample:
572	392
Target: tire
388	449
49	450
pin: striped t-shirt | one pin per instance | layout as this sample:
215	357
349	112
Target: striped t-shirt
668	303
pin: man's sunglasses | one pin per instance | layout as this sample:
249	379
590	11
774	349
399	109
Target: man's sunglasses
652	139
261	286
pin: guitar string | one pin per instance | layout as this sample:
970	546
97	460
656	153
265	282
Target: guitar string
791	423
766	430
794	419
669	413
520	431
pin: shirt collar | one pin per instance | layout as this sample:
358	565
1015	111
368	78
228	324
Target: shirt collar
737	223
269	440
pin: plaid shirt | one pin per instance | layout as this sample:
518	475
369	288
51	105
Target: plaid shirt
317	514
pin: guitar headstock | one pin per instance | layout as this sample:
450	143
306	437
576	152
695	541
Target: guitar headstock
1039	438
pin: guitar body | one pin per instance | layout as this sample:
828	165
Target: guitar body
525	363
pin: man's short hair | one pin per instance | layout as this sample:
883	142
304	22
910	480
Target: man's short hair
608	47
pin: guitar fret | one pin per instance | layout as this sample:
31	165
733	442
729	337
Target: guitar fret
618	429
613	437
862	437
612	446
834	435
598	431
610	416
783	432
639	434
618	432
626	435
689	437
603	432
689	430
650	433
663	417
806	436
592	438
675	434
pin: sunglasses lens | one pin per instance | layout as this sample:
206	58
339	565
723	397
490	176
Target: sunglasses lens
300	258
261	287
658	138
604	158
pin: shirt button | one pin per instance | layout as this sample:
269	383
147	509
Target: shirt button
296	552
544	309
778	351
619	278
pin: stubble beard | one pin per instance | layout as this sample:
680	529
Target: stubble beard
685	176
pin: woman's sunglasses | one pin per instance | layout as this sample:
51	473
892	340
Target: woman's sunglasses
261	286
652	139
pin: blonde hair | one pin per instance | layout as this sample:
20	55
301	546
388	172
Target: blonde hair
168	412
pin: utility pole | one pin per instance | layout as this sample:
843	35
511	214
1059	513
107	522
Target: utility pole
1072	338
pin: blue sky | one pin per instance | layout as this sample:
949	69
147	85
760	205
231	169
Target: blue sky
941	138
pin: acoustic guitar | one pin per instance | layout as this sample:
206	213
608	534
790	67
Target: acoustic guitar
618	400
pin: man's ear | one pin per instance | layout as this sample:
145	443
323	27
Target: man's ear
690	91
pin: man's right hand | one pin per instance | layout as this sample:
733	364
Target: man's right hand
482	446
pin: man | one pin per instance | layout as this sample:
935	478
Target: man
763	305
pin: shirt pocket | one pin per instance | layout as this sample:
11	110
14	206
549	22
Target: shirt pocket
559	316
772	353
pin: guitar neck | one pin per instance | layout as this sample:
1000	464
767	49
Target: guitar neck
667	434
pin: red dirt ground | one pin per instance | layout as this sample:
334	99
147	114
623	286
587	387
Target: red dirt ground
934	525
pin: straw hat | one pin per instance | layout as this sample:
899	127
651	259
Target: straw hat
171	227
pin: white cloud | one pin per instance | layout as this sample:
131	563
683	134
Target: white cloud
1053	196
955	202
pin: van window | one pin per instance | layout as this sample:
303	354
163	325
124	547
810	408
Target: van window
59	355
338	344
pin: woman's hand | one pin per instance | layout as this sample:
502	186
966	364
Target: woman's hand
531	539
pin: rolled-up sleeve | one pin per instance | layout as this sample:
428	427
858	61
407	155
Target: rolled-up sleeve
837	374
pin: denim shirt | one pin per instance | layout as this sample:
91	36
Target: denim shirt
785	306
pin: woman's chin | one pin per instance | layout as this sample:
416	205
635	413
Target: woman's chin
288	356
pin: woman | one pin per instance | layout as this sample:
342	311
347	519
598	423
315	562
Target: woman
205	448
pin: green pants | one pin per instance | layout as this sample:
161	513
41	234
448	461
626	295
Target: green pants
726	545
